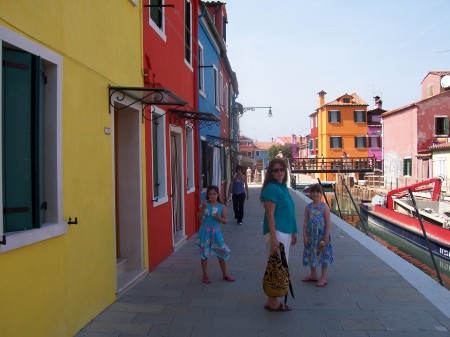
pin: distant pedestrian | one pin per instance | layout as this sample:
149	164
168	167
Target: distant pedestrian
316	237
239	190
209	238
280	224
249	175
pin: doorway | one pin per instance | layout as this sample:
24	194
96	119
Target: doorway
176	166
128	212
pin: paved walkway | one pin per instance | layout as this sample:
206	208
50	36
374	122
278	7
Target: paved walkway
365	296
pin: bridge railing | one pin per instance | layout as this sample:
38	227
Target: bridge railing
335	164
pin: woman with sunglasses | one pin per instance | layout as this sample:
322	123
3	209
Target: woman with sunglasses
280	224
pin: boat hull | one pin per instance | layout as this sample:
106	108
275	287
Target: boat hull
409	229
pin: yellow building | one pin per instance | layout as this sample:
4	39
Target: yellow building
72	152
342	128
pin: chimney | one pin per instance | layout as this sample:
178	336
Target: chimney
378	102
321	98
293	139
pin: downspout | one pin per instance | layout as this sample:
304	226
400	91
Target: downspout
197	149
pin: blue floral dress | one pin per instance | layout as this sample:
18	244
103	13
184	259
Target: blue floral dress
209	236
315	231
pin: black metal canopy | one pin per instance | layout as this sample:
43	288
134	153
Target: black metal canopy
146	96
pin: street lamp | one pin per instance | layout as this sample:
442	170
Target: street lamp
239	109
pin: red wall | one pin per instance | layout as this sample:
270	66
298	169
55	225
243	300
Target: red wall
164	66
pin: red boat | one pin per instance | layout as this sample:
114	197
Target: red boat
396	213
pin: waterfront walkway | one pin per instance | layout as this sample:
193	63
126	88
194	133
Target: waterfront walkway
371	292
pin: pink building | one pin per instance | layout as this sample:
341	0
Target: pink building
410	131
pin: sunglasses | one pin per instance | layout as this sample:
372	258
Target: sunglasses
281	169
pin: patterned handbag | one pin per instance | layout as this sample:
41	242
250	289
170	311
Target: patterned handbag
276	281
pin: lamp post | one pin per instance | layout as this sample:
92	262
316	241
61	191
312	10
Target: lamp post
240	109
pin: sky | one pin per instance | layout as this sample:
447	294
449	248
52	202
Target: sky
285	52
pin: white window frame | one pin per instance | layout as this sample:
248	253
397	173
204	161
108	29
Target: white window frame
249	154
201	71
54	224
190	181
162	196
221	88
160	31
216	86
226	105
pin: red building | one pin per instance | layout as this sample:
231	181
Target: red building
170	64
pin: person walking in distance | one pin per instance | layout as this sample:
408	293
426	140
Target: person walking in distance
316	237
280	224
249	175
209	238
239	191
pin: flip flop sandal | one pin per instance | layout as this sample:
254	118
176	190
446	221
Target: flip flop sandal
321	283
281	307
206	280
309	279
229	278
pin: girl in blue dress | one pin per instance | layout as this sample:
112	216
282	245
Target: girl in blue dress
316	237
209	238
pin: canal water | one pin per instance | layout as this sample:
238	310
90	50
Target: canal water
409	252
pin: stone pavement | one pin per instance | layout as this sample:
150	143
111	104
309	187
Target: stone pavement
370	292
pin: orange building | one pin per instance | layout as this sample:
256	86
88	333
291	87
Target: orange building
342	127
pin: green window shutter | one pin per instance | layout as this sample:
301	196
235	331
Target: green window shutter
22	141
407	166
329	116
155	156
156	12
445	125
187	31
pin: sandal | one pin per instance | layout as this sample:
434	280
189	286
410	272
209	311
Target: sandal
309	279
206	280
281	307
321	283
229	278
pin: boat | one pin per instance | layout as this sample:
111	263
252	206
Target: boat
395	212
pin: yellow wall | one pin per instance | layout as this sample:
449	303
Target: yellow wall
55	287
